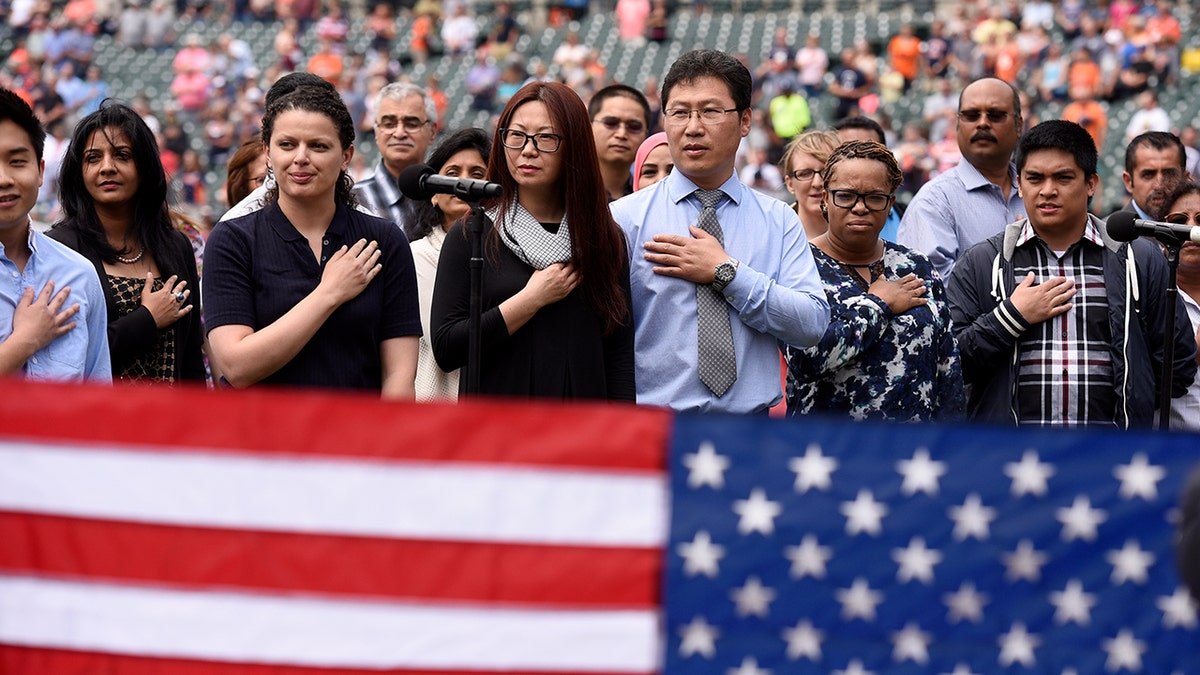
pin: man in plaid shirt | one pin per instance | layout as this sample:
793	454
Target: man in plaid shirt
1057	323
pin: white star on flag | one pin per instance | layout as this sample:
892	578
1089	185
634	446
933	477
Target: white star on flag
921	474
1029	476
916	561
864	514
972	519
1072	604
757	513
749	667
808	558
813	470
911	644
855	667
965	604
1081	520
858	601
803	641
1017	646
698	637
1139	478
1124	651
1179	609
1024	563
1130	563
753	599
961	669
706	467
701	556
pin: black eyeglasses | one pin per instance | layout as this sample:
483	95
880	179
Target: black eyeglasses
847	199
993	116
803	174
710	116
516	140
1182	218
614	123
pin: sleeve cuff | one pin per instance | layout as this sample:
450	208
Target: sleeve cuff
1010	319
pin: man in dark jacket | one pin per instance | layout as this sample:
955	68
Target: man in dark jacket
1057	323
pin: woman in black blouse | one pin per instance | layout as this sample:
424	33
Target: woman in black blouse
556	320
114	196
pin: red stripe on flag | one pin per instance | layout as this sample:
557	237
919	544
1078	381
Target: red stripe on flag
265	421
326	564
35	661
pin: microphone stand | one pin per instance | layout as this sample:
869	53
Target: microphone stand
1168	364
475	230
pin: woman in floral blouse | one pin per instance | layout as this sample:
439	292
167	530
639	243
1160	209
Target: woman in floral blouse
889	352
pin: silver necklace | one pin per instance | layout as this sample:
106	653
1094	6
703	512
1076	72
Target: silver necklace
134	259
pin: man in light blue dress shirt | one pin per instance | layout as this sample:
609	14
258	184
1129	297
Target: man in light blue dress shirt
764	271
53	319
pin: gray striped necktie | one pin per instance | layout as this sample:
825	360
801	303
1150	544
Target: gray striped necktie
718	363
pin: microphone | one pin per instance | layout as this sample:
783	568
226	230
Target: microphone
420	182
1126	226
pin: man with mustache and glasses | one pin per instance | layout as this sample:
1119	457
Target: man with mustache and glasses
405	123
977	198
620	122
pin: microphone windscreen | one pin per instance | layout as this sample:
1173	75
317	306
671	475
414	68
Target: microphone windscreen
1120	226
410	181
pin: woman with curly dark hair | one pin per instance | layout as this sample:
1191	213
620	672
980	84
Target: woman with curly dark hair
309	291
113	192
557	320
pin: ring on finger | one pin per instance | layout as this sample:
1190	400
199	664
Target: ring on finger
179	297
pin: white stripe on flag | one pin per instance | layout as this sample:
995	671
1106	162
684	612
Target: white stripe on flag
486	503
316	632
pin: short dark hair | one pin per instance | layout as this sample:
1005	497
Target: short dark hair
700	63
1158	140
293	81
861	122
1059	135
15	109
619	90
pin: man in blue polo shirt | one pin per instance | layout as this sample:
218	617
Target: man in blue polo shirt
53	321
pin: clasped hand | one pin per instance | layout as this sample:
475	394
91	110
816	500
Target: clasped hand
901	294
166	305
1045	300
695	258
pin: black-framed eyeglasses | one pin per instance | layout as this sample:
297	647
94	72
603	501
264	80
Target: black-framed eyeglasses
410	124
613	123
803	175
516	140
993	116
681	116
1181	218
847	199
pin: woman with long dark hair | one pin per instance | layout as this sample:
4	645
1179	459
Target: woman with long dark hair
113	192
309	291
556	320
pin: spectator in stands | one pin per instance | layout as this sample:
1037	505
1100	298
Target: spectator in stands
459	32
502	37
570	56
889	351
789	113
653	162
849	85
346	318
940	109
333	27
1189	137
420	44
812	63
512	78
97	90
326	63
631	20
904	54
973	201
556	310
1155	163
912	153
462	154
748	271
160	26
1050	77
381	26
656	23
1088	113
620	119
482	80
1054	283
53	318
760	174
114	195
1182	207
404	122
937	51
802	162
1149	117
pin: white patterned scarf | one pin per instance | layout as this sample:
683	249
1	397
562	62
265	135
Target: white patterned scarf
528	240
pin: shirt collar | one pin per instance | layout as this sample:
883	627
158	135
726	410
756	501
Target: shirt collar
1138	209
288	232
680	187
1090	233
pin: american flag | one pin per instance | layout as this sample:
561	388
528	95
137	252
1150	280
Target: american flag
826	547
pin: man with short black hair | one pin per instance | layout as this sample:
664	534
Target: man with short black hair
1058	324
53	317
620	122
719	273
1155	162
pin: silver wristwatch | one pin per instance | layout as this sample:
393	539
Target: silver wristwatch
724	274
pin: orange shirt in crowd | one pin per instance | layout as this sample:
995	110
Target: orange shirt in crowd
905	54
1084	74
327	66
1091	116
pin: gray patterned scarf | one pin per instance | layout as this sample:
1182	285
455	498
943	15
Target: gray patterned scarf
528	240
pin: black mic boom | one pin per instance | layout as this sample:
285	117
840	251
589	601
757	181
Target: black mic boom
1126	226
420	182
